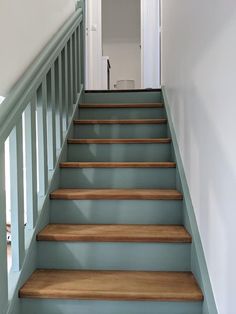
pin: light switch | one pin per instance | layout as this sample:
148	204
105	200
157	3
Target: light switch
94	27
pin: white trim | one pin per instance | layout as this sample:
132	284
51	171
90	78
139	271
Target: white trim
150	43
1	99
93	41
142	43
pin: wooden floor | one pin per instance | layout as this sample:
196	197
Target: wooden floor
130	106
118	165
115	233
112	285
123	121
116	194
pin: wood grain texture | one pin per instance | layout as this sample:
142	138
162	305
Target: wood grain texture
112	285
115	233
120	141
118	121
118	164
116	194
143	105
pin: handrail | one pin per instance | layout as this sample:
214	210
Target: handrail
24	85
34	120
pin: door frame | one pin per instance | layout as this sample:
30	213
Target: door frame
150	44
93	44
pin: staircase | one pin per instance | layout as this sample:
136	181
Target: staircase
116	243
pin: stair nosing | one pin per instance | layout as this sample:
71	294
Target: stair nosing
120	121
121	233
120	141
112	285
122	106
116	194
66	165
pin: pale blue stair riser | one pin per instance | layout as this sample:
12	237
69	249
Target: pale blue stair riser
119	152
114	256
124	97
163	178
121	113
117	256
120	131
109	307
116	212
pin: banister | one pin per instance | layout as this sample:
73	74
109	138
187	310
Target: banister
35	121
18	95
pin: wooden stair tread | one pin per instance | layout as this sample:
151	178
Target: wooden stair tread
120	141
74	164
143	105
115	233
117	194
112	285
118	121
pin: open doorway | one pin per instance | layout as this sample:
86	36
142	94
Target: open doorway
122	44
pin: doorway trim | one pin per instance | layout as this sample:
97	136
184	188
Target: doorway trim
93	44
150	44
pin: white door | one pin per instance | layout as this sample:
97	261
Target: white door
150	44
93	44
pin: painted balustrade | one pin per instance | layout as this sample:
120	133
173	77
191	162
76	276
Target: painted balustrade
34	119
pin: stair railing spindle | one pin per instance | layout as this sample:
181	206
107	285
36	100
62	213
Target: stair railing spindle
71	76
51	122
75	65
31	164
3	244
17	196
42	138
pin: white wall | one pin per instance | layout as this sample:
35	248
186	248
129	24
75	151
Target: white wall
121	39
25	27
199	71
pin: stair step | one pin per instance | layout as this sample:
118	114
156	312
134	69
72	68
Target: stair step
112	285
123	121
121	141
116	194
121	113
160	212
118	165
119	152
115	233
119	128
39	306
147	105
118	178
145	256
